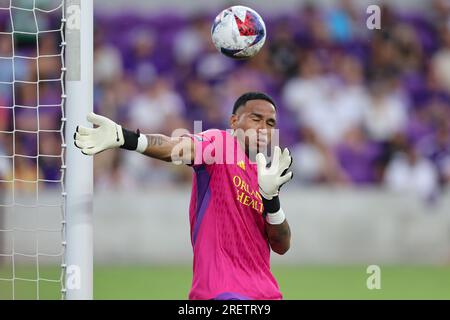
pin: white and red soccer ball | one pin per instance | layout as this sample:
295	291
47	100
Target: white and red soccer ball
238	32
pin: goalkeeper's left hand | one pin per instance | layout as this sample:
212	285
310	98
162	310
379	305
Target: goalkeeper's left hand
271	179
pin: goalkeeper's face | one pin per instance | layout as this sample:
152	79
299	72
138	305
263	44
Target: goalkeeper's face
254	125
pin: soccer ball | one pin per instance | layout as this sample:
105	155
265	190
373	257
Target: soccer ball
238	32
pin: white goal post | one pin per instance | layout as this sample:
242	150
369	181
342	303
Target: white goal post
79	176
46	184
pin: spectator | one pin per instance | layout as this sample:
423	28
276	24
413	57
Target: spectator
283	50
108	60
386	113
157	109
138	59
192	41
314	161
309	94
357	156
352	96
411	173
436	146
440	62
203	105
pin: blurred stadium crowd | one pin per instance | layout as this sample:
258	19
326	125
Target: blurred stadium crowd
357	106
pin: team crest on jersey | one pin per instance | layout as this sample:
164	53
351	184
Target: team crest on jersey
241	164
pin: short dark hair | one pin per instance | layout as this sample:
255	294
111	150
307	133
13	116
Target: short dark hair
242	100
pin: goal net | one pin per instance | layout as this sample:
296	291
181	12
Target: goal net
32	149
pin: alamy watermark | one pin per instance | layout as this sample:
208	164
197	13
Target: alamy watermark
73	277
222	146
373	21
374	279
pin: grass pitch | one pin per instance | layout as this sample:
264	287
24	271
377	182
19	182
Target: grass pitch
296	282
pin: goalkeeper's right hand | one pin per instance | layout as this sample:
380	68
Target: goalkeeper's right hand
107	135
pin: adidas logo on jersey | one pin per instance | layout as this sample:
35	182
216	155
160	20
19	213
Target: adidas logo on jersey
241	164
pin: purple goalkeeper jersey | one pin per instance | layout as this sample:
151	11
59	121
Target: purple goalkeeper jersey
231	248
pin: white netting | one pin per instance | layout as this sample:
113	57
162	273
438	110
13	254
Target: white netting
32	147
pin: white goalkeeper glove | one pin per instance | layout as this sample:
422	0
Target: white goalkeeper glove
107	135
270	180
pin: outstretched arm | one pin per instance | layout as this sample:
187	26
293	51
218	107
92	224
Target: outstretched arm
170	149
110	135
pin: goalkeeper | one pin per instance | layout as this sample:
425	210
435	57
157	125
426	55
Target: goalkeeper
235	211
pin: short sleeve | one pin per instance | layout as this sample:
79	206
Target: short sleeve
208	146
